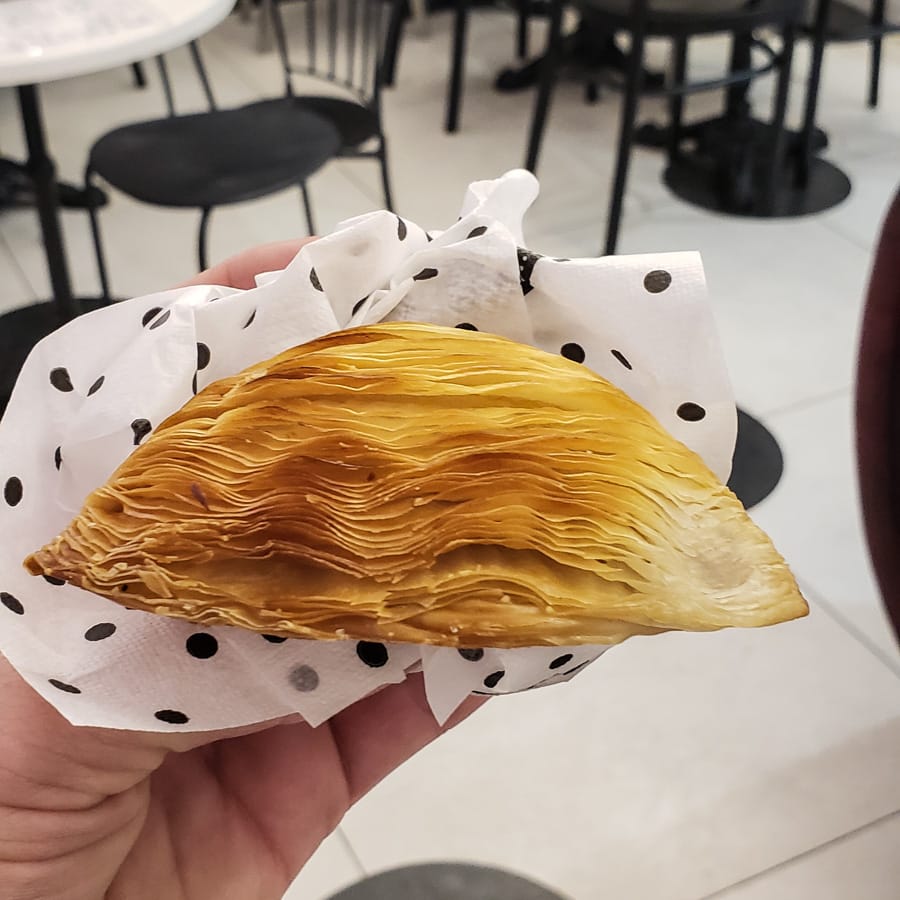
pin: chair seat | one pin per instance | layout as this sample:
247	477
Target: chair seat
215	158
700	16
355	123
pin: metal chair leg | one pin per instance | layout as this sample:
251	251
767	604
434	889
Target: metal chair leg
140	78
546	84
307	208
875	56
392	40
779	137
634	83
385	176
522	28
167	85
676	103
201	238
98	244
457	66
201	74
807	135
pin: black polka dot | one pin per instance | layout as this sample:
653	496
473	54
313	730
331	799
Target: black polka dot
304	678
100	632
203	356
56	582
657	281
401	229
493	679
60	379
12	603
477	232
141	428
194	383
161	320
527	262
472	655
575	352
57	457
67	688
425	274
358	306
372	654
249	321
562	259
96	385
314	280
201	645
171	716
561	661
428	237
274	638
150	315
691	412
621	358
12	491
467	326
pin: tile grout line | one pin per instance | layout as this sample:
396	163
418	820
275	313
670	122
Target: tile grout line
17	267
893	665
825	845
805	403
351	851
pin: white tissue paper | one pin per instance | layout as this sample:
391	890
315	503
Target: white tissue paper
93	390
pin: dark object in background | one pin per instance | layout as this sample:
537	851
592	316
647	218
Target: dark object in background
446	881
878	414
17	190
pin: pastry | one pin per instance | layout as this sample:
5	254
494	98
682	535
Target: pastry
406	482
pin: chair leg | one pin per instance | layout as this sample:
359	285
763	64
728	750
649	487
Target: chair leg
385	176
522	28
140	77
875	55
634	83
392	40
676	104
457	66
307	209
779	137
94	218
201	238
807	135
546	84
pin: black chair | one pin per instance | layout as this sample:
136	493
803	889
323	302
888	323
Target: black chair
643	20
458	50
835	22
221	157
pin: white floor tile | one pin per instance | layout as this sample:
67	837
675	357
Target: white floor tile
863	864
672	768
814	515
16	289
331	869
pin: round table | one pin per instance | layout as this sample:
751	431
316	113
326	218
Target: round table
47	40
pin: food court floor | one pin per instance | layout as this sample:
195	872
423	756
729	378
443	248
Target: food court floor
745	766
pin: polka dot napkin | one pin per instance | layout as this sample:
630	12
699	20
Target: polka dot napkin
95	389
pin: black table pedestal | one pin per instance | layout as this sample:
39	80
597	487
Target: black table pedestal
446	881
758	463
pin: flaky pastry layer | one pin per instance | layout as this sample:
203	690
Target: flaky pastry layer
406	482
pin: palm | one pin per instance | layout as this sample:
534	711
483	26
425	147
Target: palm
121	816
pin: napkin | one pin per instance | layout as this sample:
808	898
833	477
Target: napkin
96	388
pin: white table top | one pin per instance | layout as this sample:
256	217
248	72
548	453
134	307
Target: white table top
45	40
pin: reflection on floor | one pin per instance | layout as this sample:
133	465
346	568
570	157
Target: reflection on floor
740	765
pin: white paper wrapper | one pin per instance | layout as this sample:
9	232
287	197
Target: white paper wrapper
89	392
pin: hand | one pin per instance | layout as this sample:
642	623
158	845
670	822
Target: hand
88	813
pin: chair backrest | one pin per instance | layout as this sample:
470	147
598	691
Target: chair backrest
878	414
338	41
201	75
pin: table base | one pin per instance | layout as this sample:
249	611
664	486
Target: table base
758	462
699	182
446	881
21	329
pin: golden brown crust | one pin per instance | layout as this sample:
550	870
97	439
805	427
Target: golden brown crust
413	483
